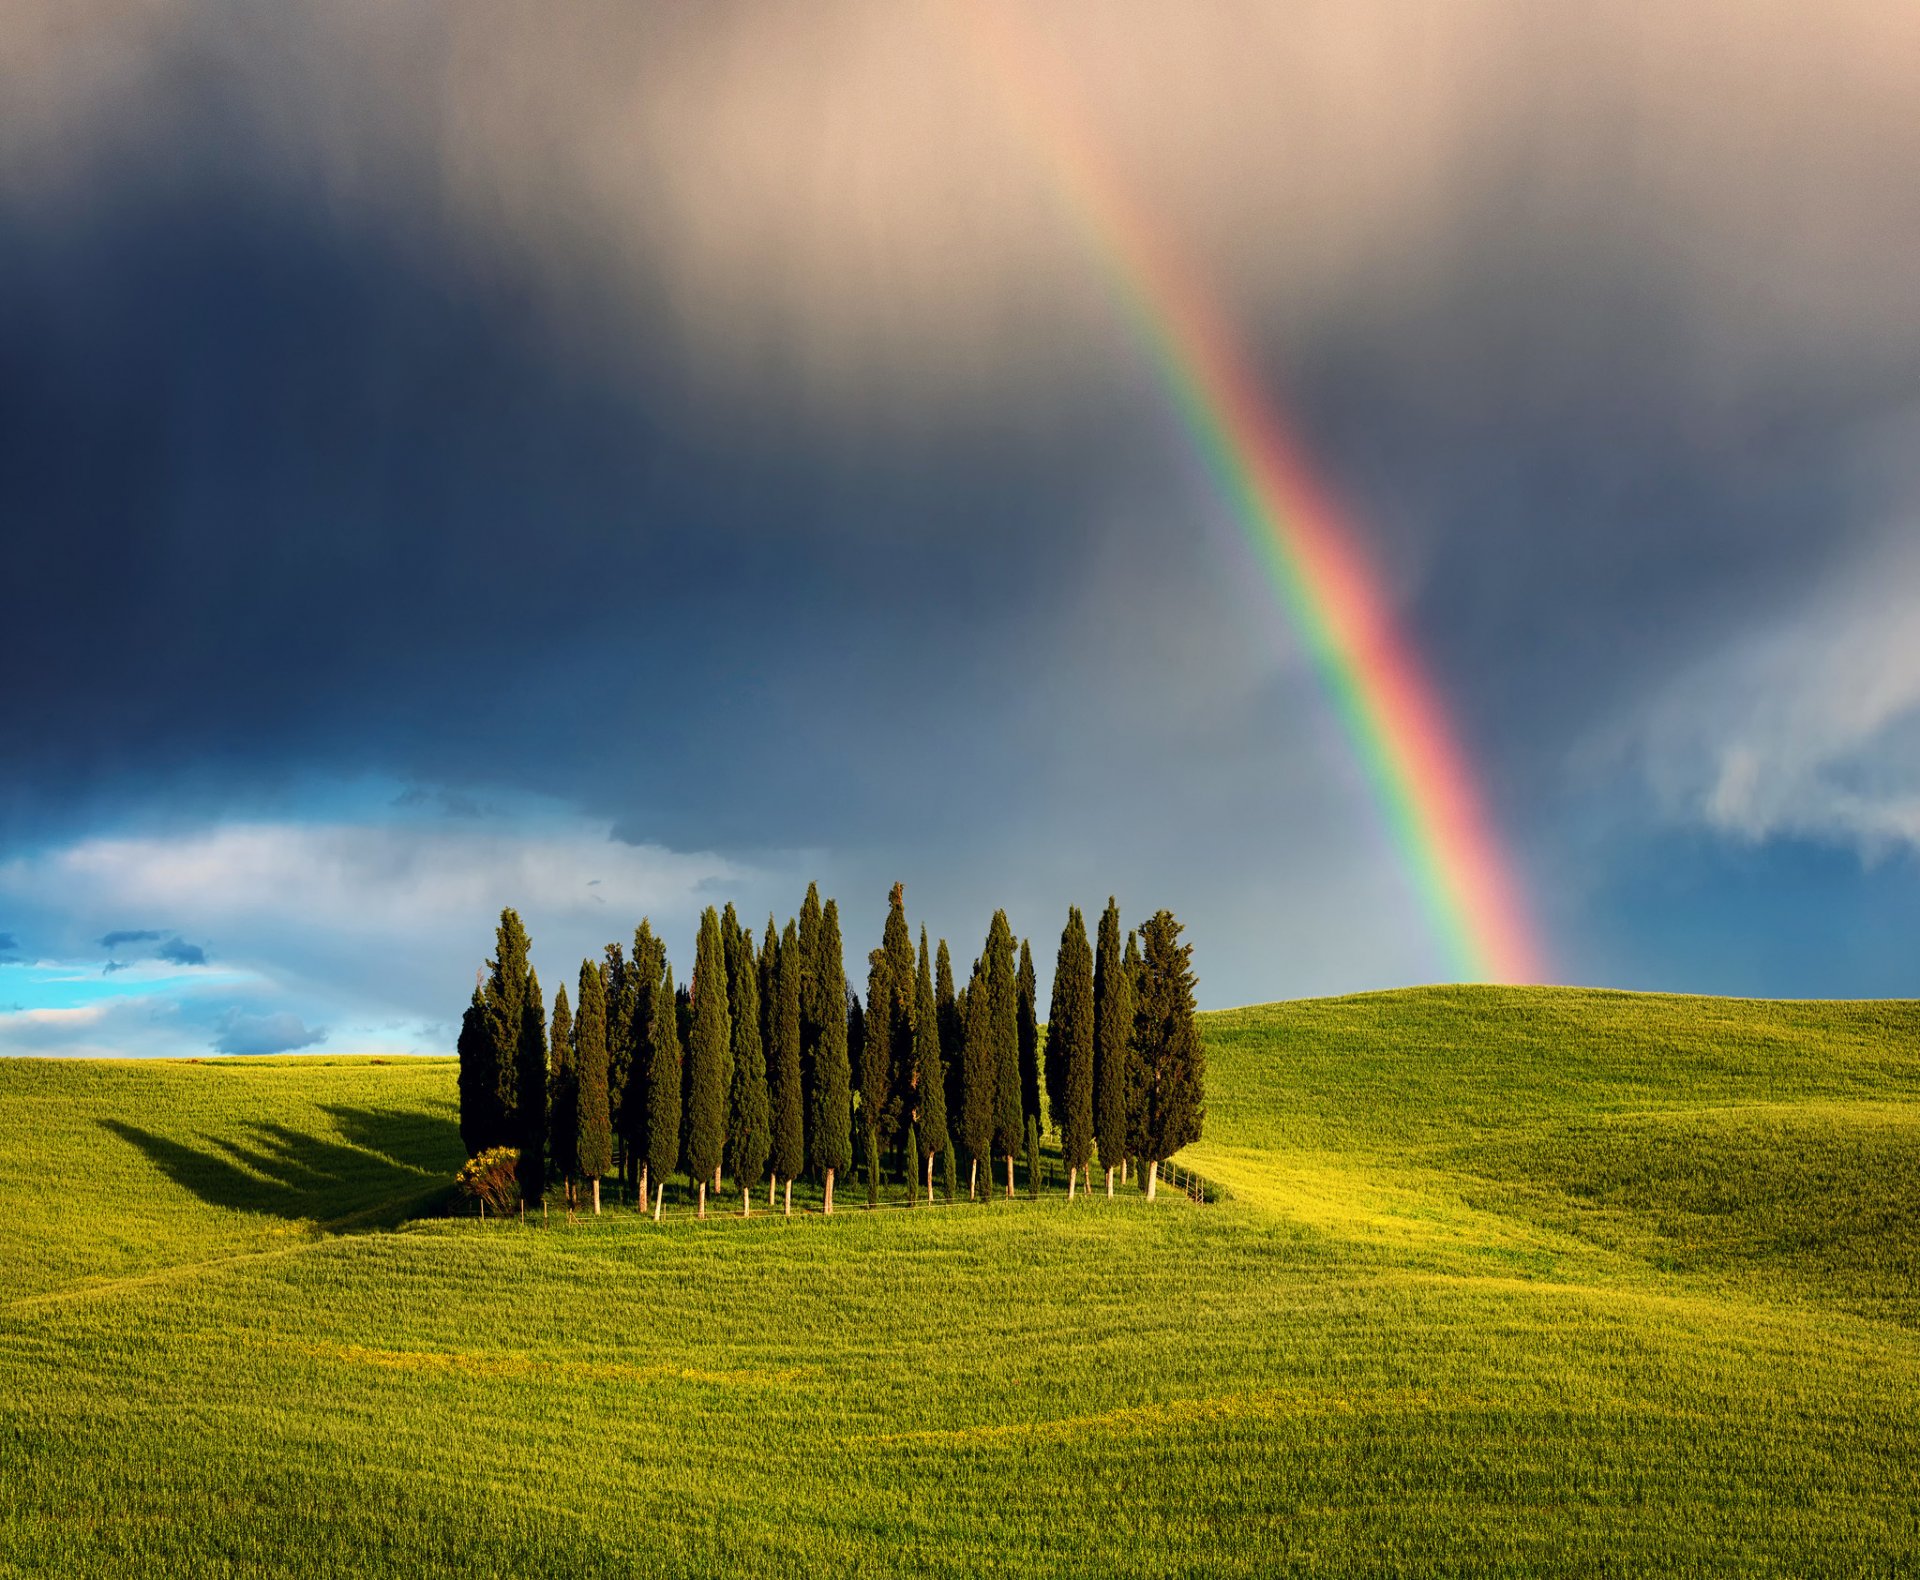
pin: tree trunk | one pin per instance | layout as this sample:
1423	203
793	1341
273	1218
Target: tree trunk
929	1179
828	1206
703	1198
596	1195
543	1212
716	1179
659	1199
1109	1184
1009	1176
789	1195
1153	1179
746	1202
645	1192
1073	1174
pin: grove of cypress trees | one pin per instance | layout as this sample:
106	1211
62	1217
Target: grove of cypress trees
1070	1020
707	1052
929	1072
479	1079
748	1118
505	997
788	1154
832	1139
1172	1059
1112	1043
663	1084
595	1141
979	1082
530	1104
563	1098
1009	1131
1027	1015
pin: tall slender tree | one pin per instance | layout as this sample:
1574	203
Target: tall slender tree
979	1081
749	1120
663	1084
1112	1043
887	1047
646	971
929	1071
530	1104
1070	1048
832	1139
1009	1129
789	1154
952	1030
813	1011
707	1044
1133	967
729	937
590	1064
479	1079
506	997
1172	1057
623	995
563	1098
1027	1020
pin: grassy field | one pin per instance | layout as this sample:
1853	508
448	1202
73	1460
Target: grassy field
1511	1281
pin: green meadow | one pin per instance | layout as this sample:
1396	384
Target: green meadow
1505	1282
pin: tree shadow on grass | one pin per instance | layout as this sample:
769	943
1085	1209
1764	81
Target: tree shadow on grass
339	1186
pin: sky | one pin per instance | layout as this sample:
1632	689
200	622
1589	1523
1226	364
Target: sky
613	460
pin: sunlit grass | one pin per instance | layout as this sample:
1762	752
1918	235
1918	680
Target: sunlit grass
1510	1282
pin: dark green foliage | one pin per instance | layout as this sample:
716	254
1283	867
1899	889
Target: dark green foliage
504	998
729	932
980	1077
479	1080
1172	1060
929	1067
952	1030
563	1094
831	1142
749	1120
530	1105
1112	1041
1027	1020
707	1045
812	1012
651	995
590	1070
1134	969
1033	1157
1004	1025
663	1080
623	993
1070	1021
947	1170
887	1029
915	1159
785	1093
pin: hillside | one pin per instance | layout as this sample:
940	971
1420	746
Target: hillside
1510	1281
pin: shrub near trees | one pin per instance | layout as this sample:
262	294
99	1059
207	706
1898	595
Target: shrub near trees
751	1067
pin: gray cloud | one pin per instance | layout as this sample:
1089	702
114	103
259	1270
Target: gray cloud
112	966
176	951
134	935
282	1032
7	943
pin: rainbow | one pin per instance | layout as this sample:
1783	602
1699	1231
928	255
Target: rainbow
1388	707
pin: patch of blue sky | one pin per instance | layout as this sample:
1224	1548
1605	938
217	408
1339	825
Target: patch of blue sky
44	984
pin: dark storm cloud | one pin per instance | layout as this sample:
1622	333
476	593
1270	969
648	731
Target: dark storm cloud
178	952
136	935
714	419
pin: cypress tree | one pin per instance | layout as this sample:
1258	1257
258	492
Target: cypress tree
812	1013
887	1051
749	1120
929	1071
1033	1157
1172	1058
729	942
563	1098
707	1044
595	1141
663	1083
621	992
979	1083
1134	969
633	1117
832	1140
530	1102
874	1041
1112	1043
1070	1047
913	1173
505	998
873	1169
947	1171
789	1149
1003	978
1027	1015
952	1030
479	1079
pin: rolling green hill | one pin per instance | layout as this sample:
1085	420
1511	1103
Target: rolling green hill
1510	1281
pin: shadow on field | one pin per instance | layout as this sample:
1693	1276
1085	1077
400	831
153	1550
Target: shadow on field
375	1183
